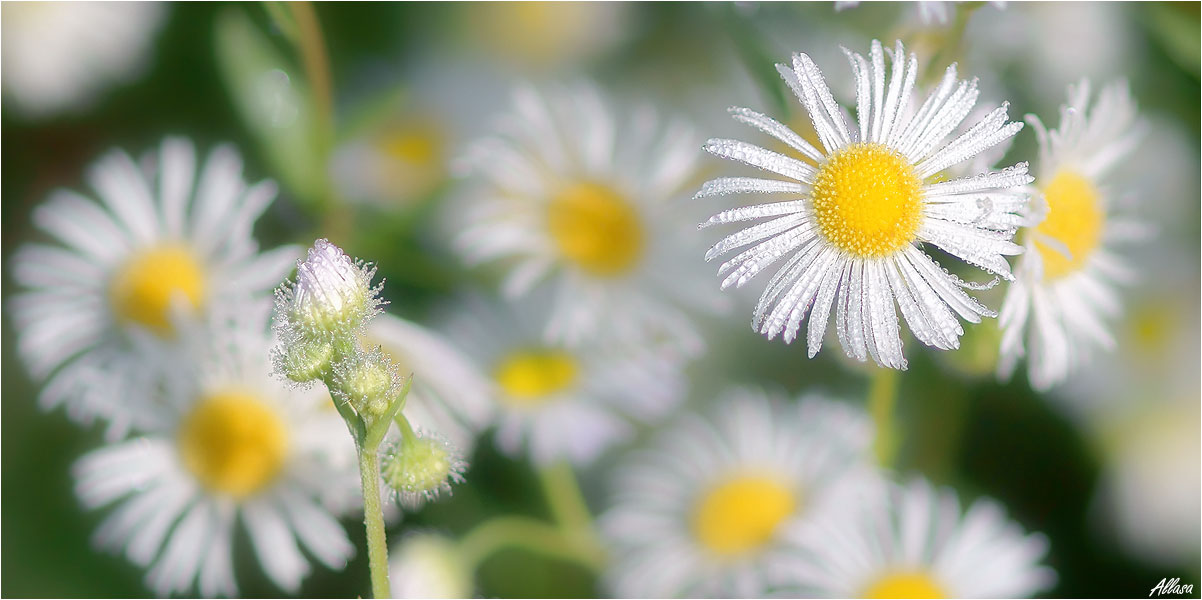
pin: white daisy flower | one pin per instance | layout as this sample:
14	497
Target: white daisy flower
60	55
428	565
538	36
914	542
449	394
701	513
561	402
228	443
864	204
567	197
1064	293
161	245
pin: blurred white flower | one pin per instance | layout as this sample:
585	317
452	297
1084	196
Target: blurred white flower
561	402
450	394
536	36
1148	493
162	246
227	442
1055	311
930	12
61	55
701	513
864	204
914	542
566	197
395	164
428	565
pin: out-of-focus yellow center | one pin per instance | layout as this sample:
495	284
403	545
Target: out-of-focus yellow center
142	290
741	514
233	443
419	144
528	377
905	584
868	200
596	228
1074	219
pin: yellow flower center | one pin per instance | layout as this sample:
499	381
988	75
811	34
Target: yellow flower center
419	144
742	514
528	377
1074	219
233	443
143	289
596	228
905	585
868	200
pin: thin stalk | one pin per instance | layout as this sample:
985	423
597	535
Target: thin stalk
565	498
317	65
882	402
373	521
528	534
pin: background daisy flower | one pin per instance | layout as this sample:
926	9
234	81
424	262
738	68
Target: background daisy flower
914	542
59	56
864	204
229	444
161	245
561	402
567	197
701	512
1064	293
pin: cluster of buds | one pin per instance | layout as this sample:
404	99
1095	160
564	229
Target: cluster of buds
319	321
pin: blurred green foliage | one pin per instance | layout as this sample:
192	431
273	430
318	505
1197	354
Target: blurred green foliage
986	438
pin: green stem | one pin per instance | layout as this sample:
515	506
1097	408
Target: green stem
528	534
317	65
373	520
882	401
564	497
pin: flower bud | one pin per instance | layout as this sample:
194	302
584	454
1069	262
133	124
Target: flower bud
368	381
331	297
301	360
429	565
421	466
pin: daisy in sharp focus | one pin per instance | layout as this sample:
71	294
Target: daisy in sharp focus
229	444
864	206
558	402
164	243
915	542
60	55
701	513
1056	309
566	197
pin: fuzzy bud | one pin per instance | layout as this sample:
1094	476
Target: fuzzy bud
303	361
332	296
368	381
420	467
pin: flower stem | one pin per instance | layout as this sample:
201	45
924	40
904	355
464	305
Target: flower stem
373	520
882	400
564	497
317	65
528	534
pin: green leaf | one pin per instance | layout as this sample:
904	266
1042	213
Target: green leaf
274	105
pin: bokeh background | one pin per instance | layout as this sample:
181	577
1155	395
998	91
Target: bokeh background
1107	466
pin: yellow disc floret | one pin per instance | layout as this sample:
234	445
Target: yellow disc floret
905	584
868	200
143	289
1075	219
233	443
596	228
528	377
742	513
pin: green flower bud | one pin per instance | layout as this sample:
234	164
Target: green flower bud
303	361
421	466
369	382
331	298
